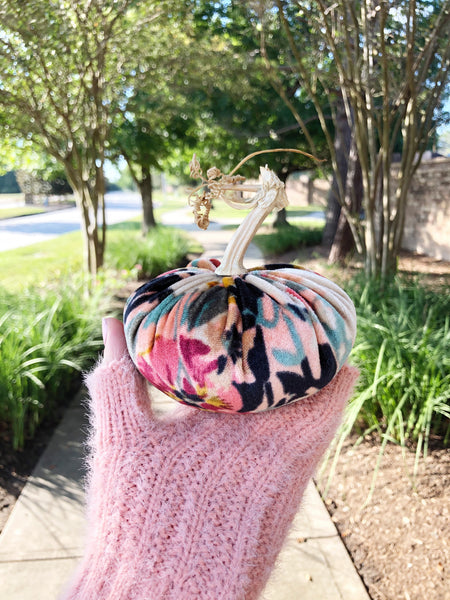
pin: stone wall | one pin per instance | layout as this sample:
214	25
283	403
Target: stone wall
304	191
427	225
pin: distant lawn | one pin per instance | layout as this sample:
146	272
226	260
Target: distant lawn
12	198
220	210
58	257
19	211
37	262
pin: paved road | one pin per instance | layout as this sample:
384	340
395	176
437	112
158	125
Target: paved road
120	206
23	231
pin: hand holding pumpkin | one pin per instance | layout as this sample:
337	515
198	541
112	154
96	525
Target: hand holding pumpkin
195	505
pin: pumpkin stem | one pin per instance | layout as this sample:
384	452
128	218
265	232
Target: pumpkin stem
270	196
216	183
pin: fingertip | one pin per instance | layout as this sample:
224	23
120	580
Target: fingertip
114	339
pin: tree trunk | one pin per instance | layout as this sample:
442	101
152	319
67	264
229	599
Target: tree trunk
89	198
146	190
281	216
342	139
92	246
310	198
281	219
99	193
333	212
344	242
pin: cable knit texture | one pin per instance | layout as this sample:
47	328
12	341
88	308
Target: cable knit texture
195	505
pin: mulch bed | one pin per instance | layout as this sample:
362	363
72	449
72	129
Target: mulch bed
399	540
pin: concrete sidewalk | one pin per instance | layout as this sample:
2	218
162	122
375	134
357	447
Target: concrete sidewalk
43	538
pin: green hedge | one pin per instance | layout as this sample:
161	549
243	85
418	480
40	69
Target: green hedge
163	248
47	336
52	332
288	238
402	349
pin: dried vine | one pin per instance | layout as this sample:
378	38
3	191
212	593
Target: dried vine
215	185
212	188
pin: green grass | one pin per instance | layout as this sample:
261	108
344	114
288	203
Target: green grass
284	239
403	352
35	263
47	336
19	211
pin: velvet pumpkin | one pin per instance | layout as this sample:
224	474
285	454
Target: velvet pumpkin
226	339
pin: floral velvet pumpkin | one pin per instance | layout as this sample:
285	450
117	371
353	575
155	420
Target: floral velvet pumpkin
216	336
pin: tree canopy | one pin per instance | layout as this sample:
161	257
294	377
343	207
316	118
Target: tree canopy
151	80
65	70
389	62
238	111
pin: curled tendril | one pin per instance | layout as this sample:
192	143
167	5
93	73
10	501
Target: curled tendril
201	205
213	187
195	170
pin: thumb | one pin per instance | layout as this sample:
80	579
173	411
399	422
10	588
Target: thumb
114	340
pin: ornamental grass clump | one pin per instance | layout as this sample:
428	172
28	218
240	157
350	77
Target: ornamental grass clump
403	352
293	237
161	249
47	336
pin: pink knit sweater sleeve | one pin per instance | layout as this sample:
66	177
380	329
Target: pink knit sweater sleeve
194	506
120	406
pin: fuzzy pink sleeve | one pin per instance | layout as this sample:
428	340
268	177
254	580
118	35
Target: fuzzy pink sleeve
119	402
195	507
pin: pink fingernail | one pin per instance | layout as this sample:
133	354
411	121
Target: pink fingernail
104	329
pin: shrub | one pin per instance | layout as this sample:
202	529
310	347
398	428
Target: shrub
47	336
162	249
402	351
289	238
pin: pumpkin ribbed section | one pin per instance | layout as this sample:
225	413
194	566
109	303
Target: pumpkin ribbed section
243	343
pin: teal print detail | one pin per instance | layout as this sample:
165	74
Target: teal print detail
261	320
164	308
289	359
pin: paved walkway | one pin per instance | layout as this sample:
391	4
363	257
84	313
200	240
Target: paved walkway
23	231
43	538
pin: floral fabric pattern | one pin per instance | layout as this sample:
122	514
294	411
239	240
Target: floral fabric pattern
245	343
